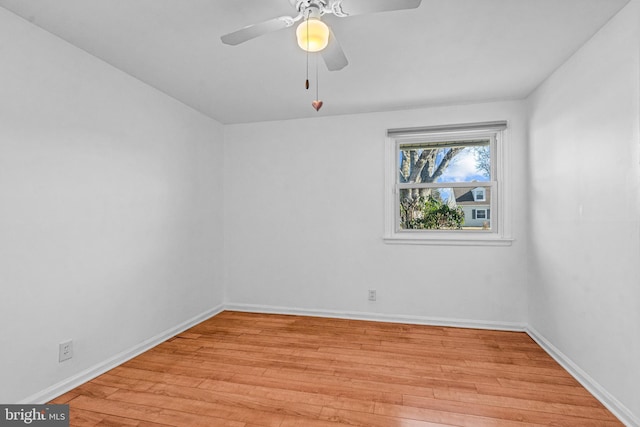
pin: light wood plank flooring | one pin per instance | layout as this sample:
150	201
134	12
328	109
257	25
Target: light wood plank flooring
248	370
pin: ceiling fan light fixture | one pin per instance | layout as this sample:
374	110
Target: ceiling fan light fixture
312	35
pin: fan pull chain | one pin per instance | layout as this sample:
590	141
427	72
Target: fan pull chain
306	83
317	103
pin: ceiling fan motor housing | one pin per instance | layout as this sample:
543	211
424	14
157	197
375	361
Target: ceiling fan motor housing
314	7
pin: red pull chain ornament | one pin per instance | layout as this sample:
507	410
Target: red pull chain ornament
317	103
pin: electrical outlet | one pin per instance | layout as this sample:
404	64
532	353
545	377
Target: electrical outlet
372	294
65	351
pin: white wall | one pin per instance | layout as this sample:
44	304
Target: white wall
304	224
110	210
584	291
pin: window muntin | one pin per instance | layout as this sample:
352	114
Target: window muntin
451	168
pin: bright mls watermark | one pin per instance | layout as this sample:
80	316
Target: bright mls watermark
34	415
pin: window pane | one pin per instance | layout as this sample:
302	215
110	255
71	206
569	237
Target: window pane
445	208
446	161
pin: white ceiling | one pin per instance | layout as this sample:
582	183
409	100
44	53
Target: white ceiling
446	51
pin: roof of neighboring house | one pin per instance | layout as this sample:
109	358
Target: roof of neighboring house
464	196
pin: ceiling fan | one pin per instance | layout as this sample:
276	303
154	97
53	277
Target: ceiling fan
314	35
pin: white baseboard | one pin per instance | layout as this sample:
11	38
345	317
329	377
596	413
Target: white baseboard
80	378
599	392
378	317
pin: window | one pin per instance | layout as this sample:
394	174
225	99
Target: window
479	214
445	185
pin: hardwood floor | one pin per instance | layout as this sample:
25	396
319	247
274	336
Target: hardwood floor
248	370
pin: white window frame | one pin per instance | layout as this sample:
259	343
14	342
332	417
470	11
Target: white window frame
500	233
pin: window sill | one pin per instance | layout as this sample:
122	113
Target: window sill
448	240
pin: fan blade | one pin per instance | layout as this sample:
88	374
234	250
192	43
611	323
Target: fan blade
333	55
359	7
253	31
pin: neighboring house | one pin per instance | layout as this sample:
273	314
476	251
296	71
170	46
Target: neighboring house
475	203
